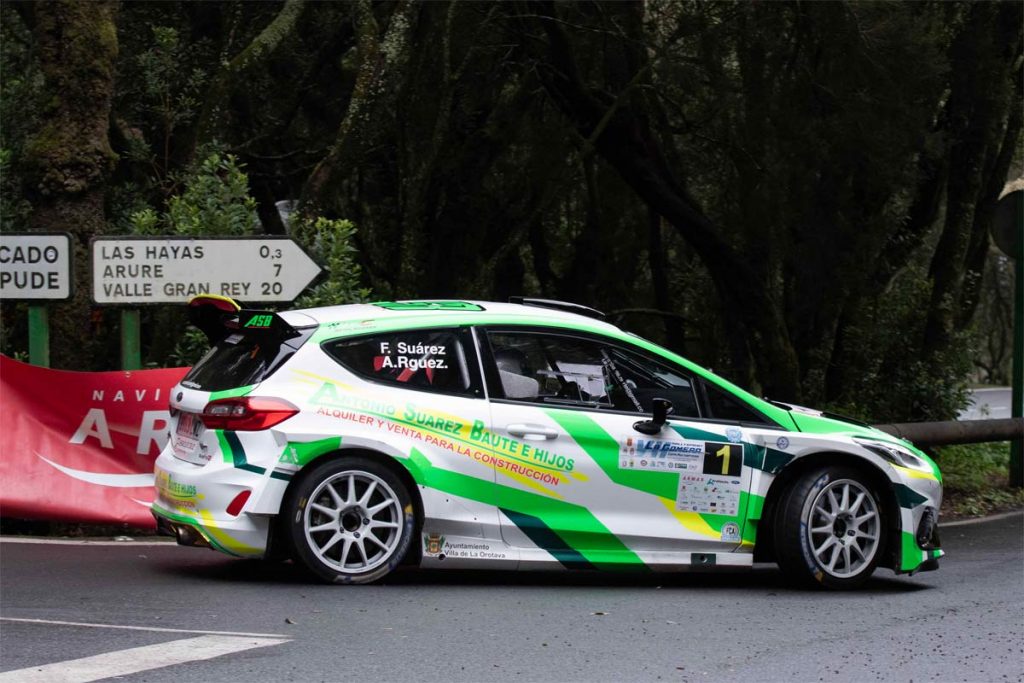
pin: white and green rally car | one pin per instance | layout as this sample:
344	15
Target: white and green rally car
529	435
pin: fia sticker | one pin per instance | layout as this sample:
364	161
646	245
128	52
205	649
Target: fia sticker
730	532
734	434
782	443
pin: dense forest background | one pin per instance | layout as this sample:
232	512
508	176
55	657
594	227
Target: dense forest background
796	194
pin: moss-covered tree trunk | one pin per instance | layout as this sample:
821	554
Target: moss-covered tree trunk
67	162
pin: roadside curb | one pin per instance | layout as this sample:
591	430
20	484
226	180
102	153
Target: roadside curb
39	540
980	520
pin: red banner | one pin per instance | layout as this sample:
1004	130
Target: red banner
80	446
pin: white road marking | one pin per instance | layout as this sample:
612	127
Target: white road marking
136	659
82	541
157	629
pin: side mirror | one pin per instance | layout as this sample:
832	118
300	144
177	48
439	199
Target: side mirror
660	408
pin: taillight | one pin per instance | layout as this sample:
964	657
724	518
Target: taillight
247	414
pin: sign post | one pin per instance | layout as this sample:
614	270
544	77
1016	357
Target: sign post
36	267
131	339
1008	233
135	271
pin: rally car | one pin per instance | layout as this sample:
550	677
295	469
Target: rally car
522	435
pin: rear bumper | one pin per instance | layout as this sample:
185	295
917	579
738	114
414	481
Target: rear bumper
192	504
245	538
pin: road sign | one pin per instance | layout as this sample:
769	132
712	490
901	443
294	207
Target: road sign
35	266
1007	223
139	270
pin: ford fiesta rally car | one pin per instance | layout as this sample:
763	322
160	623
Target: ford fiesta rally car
529	435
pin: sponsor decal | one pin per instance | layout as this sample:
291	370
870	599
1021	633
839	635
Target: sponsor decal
290	455
174	492
708	494
440	547
537	468
260	321
433	543
660	454
734	434
782	443
731	532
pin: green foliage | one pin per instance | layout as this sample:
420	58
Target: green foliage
215	201
332	243
170	92
165	95
191	346
22	98
888	379
974	478
971	468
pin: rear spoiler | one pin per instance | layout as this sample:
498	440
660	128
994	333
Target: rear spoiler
219	316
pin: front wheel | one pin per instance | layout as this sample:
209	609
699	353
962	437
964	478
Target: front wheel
829	529
350	520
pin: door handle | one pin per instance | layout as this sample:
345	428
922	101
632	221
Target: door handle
531	431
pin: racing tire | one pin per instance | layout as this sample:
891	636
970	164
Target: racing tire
830	529
350	520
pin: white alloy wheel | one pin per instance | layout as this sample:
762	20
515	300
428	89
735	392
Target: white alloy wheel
844	528
353	522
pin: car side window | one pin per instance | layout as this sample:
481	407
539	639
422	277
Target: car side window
427	360
549	368
723	406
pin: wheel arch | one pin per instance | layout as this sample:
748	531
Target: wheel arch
388	461
764	549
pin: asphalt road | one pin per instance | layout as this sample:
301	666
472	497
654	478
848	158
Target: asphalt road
963	622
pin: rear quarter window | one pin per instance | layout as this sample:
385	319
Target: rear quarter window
440	361
242	359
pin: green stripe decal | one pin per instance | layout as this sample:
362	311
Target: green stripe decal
911	556
908	497
231	393
588	535
542	535
775	460
195	524
301	453
604	450
230	444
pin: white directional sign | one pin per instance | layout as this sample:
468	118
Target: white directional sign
35	266
134	270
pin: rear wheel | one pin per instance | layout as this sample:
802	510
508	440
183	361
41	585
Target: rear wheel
350	520
829	529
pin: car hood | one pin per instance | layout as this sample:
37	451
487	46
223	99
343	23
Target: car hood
819	422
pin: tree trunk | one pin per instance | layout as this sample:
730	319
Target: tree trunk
68	161
382	60
626	142
216	114
983	56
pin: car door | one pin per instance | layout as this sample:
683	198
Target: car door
419	397
600	490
